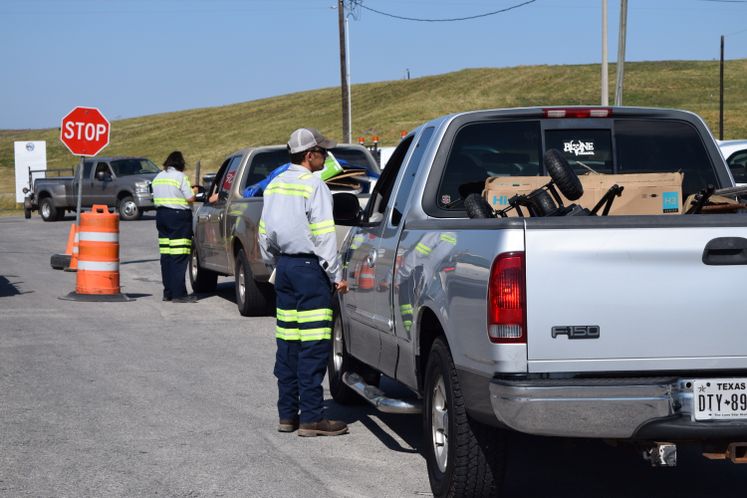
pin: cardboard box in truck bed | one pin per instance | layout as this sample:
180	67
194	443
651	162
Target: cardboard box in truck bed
644	193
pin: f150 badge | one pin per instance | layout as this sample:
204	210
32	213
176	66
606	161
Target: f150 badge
576	331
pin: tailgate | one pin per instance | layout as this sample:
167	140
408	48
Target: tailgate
654	302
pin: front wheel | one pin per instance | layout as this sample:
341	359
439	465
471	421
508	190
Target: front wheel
128	210
252	298
202	280
341	362
464	458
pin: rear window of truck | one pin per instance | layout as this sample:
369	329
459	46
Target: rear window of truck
515	148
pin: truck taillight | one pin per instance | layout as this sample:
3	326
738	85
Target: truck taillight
578	112
507	299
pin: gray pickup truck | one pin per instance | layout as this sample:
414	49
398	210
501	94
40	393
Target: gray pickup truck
623	328
225	231
123	183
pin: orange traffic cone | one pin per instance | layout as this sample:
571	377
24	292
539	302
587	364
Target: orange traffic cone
73	249
64	261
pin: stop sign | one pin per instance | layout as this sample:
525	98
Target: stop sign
85	131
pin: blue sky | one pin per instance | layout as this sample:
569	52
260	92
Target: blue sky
137	57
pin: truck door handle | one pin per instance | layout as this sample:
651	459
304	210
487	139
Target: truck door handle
371	259
726	251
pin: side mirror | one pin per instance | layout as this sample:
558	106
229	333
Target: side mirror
102	175
346	209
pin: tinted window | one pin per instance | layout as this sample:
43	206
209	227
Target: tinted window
664	146
482	150
230	174
263	163
87	167
585	150
127	167
355	158
410	174
738	166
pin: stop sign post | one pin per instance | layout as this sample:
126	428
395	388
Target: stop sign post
85	132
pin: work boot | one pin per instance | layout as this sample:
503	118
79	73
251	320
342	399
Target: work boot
166	297
185	299
287	425
322	428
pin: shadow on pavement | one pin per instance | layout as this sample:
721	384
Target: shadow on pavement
8	288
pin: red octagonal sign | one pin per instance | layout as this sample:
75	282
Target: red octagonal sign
85	131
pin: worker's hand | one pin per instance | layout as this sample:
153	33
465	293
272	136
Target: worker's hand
341	286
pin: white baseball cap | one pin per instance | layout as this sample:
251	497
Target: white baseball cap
306	138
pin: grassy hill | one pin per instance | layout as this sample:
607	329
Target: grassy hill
387	108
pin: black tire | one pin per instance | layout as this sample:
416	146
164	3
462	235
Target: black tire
27	213
563	175
341	362
543	203
48	211
60	261
128	210
464	458
252	298
202	280
478	207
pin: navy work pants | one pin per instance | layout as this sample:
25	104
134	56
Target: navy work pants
175	243
303	332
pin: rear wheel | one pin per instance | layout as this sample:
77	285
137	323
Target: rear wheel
128	210
464	458
202	280
252	298
48	211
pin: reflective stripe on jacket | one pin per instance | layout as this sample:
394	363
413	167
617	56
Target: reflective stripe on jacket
297	219
171	189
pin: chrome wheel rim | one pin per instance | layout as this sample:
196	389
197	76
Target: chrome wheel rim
440	423
337	347
46	210
241	283
129	209
193	265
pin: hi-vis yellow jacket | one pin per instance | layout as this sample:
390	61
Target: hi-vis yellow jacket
297	219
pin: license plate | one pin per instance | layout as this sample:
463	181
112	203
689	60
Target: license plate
720	399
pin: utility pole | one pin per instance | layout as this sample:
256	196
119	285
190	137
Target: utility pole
344	73
721	95
605	73
621	52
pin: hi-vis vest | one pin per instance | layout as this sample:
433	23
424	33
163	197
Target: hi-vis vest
171	189
297	219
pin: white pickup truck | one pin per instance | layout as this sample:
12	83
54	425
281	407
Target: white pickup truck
624	328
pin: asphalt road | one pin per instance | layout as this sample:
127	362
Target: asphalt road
147	398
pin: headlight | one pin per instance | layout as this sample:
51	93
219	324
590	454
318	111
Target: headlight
142	188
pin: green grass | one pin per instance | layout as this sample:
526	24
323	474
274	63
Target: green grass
387	108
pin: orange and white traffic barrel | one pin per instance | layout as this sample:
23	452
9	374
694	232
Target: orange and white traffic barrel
98	256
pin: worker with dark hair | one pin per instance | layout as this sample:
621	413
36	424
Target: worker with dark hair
172	195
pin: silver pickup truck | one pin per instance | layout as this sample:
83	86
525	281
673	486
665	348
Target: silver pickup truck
122	183
225	231
622	328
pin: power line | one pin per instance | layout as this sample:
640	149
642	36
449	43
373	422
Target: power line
452	19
